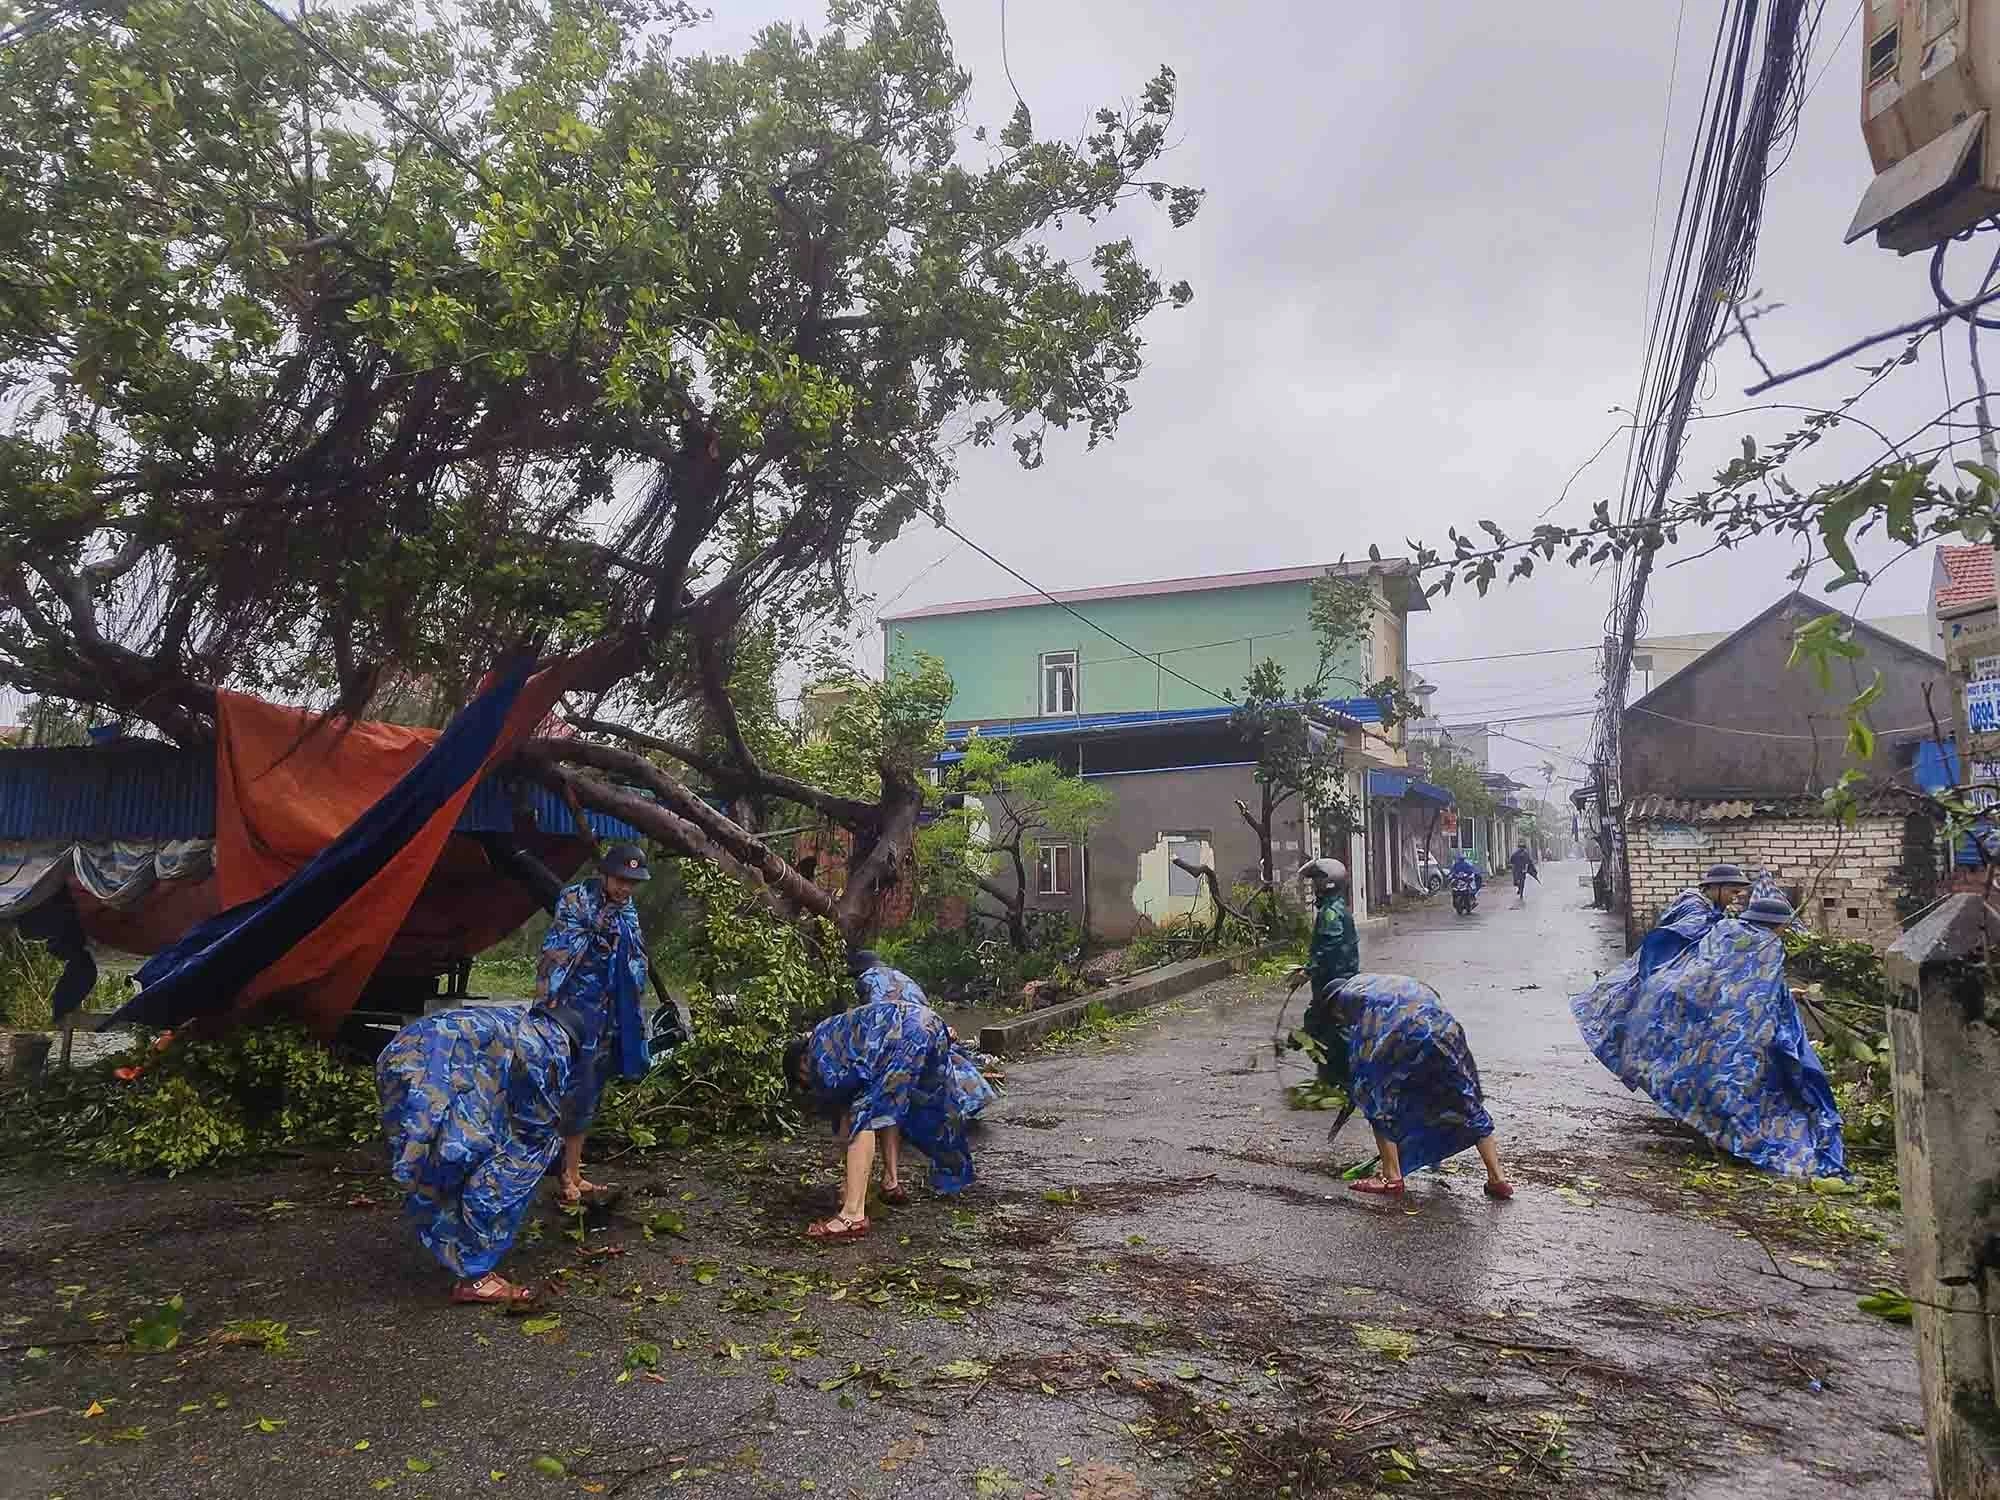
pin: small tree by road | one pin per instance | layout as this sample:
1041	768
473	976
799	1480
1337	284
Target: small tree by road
1013	810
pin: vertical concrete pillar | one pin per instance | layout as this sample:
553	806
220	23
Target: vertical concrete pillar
1945	1030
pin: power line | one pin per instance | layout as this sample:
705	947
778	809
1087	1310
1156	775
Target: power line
387	104
1452	661
1021	577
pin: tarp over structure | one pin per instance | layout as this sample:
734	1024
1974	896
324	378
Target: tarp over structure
373	846
326	832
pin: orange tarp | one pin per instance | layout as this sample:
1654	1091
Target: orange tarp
279	801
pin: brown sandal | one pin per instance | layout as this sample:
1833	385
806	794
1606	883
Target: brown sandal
492	1290
895	1195
837	1228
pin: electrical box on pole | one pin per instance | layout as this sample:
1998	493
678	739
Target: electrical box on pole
1930	89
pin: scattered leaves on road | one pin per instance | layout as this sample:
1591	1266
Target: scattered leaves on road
549	1465
901	1452
545	1323
1390	1343
964	1369
159	1329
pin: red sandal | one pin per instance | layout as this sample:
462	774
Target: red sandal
1500	1190
492	1290
895	1195
1384	1187
837	1228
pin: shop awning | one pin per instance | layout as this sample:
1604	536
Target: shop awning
1400	784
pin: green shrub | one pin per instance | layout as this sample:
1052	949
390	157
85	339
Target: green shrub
27	976
195	1104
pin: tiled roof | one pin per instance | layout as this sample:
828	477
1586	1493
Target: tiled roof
1658	808
1968	577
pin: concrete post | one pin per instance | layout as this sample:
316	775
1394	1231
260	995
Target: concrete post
1945	1032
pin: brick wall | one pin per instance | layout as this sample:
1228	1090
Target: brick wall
1848	877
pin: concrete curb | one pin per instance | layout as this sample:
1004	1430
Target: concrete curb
1164	983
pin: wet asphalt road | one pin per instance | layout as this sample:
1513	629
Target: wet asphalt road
1158	1287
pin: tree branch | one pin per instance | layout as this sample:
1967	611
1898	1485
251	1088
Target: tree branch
1222	907
846	811
713	827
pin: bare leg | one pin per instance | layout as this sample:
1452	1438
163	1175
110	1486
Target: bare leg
892	1146
1392	1159
1490	1155
571	1178
860	1162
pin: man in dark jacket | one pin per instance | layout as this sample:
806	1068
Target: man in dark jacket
1522	863
1335	958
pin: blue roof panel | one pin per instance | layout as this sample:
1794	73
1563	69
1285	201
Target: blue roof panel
146	791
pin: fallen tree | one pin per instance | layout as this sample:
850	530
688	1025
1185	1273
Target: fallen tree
346	357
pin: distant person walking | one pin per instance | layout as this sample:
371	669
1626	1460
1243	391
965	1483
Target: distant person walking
1522	863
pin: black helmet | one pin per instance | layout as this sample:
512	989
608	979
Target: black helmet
626	861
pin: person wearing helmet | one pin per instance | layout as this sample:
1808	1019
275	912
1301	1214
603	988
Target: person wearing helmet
1335	957
479	1102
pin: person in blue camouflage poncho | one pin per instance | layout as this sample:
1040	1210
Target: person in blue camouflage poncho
887	1069
1605	1012
1716	1040
477	1103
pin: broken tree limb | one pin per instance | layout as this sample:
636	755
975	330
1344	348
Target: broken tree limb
1222	907
678	818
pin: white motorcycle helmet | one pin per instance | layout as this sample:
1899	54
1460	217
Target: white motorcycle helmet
1324	872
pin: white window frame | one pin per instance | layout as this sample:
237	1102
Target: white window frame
1047	882
1045	662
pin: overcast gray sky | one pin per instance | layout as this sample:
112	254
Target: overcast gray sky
1420	284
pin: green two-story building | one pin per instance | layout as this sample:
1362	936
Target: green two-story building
1133	684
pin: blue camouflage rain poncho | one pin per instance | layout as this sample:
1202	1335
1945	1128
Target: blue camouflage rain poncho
1414	1074
476	1101
889	1061
969	1085
1716	1040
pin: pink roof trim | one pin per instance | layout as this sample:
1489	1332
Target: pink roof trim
1202	584
1968	577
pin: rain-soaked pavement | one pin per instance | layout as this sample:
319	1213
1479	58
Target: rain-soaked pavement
1159	1287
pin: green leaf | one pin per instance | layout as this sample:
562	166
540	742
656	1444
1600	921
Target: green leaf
160	1329
1186	1372
956	1262
541	1324
1892	1306
549	1465
418	1465
964	1369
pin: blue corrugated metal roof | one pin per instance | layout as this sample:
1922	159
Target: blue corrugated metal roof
142	791
1361	710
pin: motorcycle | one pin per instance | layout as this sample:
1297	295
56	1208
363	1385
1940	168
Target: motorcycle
1464	893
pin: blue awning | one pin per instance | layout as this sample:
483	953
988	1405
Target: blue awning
1399	784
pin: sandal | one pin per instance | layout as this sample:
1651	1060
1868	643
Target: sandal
895	1195
492	1290
837	1228
1385	1187
1500	1190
